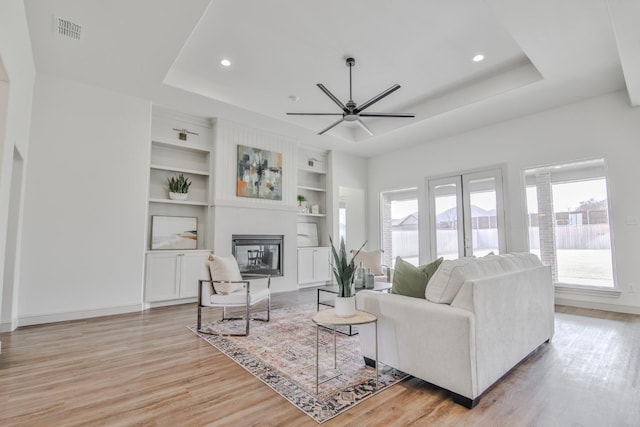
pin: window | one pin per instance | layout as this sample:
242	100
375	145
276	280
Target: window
342	223
568	221
400	226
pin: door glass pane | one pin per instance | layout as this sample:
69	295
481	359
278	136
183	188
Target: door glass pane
446	209
400	226
484	220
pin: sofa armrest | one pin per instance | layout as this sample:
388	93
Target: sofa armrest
514	314
431	341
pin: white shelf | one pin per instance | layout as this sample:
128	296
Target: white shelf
311	214
312	171
178	169
180	145
179	202
304	187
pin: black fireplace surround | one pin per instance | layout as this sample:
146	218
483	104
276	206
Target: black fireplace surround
258	253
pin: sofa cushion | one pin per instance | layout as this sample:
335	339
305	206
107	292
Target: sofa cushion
448	280
225	268
370	260
451	274
410	280
518	261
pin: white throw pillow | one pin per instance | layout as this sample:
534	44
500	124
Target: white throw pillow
442	287
370	260
225	268
448	279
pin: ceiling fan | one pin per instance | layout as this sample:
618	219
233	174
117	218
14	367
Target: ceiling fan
350	111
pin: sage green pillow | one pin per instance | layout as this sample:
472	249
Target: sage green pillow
410	280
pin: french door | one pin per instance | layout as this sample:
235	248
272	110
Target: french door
466	215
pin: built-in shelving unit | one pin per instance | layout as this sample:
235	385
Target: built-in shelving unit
312	184
313	262
180	144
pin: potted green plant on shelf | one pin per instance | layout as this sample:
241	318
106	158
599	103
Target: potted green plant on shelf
179	187
344	270
301	200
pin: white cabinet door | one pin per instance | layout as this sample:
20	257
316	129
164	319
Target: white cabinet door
173	275
162	277
305	266
192	265
321	264
313	265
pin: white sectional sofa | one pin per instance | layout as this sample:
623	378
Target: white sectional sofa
480	318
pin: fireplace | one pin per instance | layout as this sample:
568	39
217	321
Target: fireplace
260	254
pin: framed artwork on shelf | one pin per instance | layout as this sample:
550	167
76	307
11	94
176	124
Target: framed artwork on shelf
307	234
259	173
174	232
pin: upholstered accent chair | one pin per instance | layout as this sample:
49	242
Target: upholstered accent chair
224	287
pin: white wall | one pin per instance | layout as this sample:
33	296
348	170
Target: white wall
349	171
599	127
17	59
85	203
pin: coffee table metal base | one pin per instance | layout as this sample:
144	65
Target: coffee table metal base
328	319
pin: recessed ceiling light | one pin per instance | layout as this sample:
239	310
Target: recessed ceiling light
225	62
479	57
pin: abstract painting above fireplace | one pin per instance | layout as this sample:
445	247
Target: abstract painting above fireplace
258	253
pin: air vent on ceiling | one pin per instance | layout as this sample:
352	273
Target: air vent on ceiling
66	28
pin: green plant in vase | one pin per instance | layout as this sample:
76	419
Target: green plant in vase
301	200
344	269
179	187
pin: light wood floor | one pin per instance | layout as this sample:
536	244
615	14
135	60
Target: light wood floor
148	369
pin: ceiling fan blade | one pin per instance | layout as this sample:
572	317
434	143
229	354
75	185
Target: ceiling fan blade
377	98
410	115
331	127
333	97
364	127
314	114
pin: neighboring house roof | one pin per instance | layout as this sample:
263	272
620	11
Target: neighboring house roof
450	214
411	219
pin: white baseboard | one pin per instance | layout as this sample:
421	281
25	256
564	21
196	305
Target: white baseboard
617	308
311	285
170	302
75	315
6	326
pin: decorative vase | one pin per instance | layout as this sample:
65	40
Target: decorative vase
345	306
178	196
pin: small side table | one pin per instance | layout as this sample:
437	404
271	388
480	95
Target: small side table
333	290
328	318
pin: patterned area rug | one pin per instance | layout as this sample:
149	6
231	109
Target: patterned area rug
282	354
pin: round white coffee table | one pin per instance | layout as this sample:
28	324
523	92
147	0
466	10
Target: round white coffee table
328	318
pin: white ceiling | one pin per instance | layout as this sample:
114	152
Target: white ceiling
539	54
